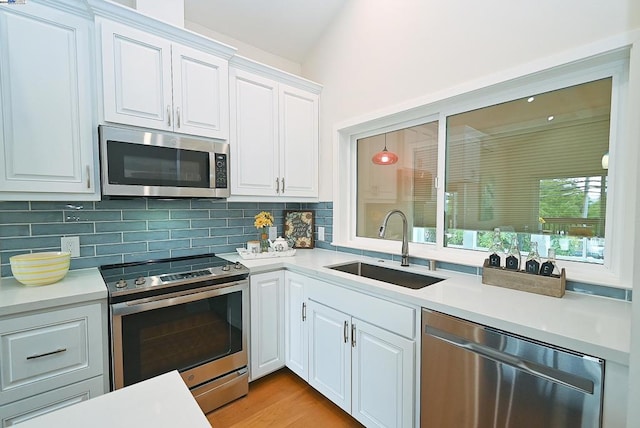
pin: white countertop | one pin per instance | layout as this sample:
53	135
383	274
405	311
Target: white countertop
78	286
160	402
592	325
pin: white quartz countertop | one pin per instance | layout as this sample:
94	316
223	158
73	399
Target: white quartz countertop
593	325
160	402
78	286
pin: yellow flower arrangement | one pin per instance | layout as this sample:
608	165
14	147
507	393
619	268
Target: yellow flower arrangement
264	219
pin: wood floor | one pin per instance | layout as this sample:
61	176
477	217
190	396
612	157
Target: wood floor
281	399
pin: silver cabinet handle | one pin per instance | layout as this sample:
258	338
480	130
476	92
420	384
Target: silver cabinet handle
283	185
278	185
168	115
88	177
178	117
353	335
304	312
57	351
346	332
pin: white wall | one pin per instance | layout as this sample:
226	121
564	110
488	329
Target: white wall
380	53
246	50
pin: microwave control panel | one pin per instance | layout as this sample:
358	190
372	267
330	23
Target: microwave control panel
221	171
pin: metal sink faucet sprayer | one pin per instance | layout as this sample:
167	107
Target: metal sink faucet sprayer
405	244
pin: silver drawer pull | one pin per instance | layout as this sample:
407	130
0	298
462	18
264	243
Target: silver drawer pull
57	351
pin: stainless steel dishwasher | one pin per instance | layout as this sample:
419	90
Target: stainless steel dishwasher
478	376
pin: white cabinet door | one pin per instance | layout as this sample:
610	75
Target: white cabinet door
200	93
267	323
330	353
47	105
151	82
296	332
136	76
254	142
299	142
274	137
383	386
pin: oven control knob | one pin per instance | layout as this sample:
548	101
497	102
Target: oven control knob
140	280
237	265
121	284
226	268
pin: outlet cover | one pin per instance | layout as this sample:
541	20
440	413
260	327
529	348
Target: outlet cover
273	232
70	244
320	233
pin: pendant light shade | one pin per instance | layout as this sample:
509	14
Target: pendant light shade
385	157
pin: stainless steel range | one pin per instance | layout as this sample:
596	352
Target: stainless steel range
188	314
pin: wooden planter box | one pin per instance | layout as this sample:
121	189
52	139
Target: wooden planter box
520	280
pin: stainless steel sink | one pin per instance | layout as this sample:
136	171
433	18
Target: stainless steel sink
411	280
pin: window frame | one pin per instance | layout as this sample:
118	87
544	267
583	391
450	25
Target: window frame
618	261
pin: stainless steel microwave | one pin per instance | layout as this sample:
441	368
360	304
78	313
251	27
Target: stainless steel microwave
137	162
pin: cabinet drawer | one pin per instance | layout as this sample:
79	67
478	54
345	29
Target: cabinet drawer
48	350
29	408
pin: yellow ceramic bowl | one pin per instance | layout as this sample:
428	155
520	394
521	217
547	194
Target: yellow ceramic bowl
40	268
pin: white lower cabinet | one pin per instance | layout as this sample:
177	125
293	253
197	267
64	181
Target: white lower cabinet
365	370
295	326
29	408
51	359
267	323
357	350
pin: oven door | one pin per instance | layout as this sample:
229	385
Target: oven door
202	333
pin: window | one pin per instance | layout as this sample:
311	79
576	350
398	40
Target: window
529	156
533	167
407	185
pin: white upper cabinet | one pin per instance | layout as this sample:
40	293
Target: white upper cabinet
47	104
152	82
274	133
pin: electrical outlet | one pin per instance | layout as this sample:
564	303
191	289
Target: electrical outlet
273	232
70	244
320	233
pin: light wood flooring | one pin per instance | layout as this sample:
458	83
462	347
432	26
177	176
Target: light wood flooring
281	399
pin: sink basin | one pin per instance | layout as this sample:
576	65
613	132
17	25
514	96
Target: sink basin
411	280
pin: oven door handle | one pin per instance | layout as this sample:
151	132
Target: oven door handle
165	300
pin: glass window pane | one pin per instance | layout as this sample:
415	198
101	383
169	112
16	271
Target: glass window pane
407	185
533	167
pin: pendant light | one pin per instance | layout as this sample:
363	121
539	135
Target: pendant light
385	157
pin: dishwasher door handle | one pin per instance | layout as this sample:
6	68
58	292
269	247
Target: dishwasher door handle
534	369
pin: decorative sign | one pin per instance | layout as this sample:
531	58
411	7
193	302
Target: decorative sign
298	228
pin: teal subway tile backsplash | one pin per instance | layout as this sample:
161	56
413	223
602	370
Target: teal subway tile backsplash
117	231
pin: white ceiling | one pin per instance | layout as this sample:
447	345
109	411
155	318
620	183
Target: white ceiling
287	28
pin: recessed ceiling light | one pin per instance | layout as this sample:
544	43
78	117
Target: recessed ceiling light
530	99
550	118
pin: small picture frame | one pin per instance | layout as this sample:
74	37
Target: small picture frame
298	228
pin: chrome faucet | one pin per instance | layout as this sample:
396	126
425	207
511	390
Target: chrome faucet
405	243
